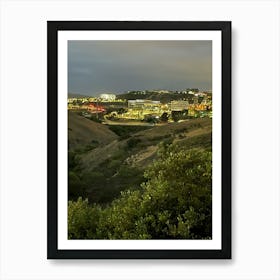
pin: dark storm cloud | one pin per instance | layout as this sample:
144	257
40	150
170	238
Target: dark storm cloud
118	66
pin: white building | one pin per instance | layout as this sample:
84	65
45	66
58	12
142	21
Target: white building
107	97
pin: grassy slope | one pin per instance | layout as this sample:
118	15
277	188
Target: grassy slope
145	150
110	168
82	131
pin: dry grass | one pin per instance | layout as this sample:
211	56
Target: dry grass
82	131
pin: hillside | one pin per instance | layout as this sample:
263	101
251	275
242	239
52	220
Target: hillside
101	172
82	131
141	147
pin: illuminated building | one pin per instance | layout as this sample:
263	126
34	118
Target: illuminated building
107	97
143	104
179	105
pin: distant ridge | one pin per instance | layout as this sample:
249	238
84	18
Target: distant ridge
77	95
162	97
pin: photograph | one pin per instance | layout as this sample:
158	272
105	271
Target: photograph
139	140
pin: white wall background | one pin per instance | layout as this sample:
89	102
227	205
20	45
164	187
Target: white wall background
255	195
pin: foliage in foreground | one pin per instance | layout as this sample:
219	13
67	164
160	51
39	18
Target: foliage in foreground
174	203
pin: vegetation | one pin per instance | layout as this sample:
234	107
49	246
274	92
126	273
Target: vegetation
95	118
125	131
133	142
135	182
154	95
104	183
180	115
164	117
86	148
174	201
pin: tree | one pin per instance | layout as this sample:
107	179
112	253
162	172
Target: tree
164	117
82	219
176	115
175	202
75	185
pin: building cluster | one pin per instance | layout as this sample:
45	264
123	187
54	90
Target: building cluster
141	108
199	104
104	97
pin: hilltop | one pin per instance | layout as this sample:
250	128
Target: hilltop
82	131
157	96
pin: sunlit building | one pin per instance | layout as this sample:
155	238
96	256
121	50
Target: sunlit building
142	104
179	105
139	108
107	97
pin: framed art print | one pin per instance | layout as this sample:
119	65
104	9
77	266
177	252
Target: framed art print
139	140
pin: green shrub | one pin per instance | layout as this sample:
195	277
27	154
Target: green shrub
82	219
132	142
175	202
75	185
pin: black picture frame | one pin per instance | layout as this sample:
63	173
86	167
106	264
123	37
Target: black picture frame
52	89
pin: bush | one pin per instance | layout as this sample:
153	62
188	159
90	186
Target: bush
75	185
82	219
72	160
132	142
125	131
95	119
175	202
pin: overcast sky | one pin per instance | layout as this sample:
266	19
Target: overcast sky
96	67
